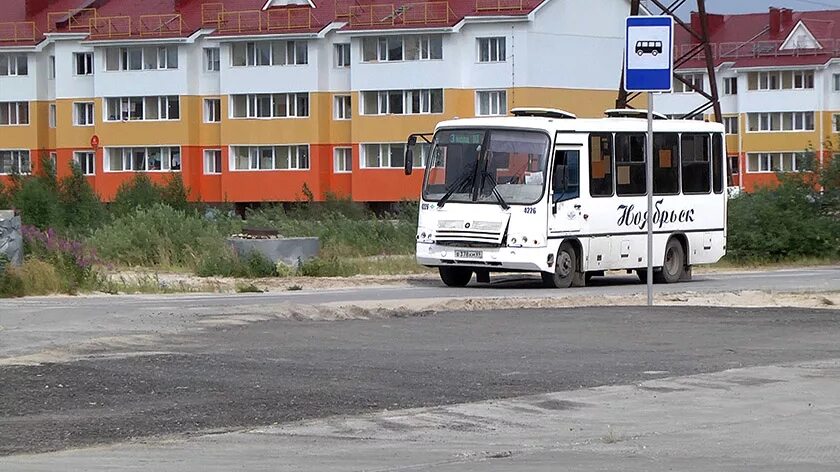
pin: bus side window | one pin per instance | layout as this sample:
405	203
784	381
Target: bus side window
600	165
566	181
696	168
630	164
717	163
666	164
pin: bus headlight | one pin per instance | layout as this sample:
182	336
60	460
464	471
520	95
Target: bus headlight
425	236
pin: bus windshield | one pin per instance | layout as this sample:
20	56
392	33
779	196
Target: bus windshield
487	166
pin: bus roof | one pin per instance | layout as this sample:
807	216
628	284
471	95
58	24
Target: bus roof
584	125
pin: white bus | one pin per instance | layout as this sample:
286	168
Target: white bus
542	191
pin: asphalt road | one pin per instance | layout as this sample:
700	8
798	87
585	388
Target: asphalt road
227	378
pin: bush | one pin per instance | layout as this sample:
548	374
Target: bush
227	264
38	201
72	260
784	223
81	206
142	193
160	236
11	285
42	278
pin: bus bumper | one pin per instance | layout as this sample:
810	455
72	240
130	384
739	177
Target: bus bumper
534	259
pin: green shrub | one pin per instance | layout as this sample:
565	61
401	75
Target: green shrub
38	201
332	266
138	193
226	263
174	193
42	278
782	223
159	236
81	206
11	285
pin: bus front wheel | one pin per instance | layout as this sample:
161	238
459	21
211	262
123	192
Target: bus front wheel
566	271
455	276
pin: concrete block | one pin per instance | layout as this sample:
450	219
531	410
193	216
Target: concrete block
290	251
11	240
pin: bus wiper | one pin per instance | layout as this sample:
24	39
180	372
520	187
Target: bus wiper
459	184
486	175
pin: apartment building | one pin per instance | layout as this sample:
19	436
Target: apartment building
270	100
778	76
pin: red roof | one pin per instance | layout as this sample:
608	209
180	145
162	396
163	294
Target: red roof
755	39
24	22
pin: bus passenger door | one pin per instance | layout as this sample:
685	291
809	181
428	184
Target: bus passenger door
566	213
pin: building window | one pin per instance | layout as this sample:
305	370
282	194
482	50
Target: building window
491	102
787	121
83	63
402	48
835	80
342	55
694	79
14	64
15	162
14	113
252	158
343	160
142	108
212	60
774	162
143	159
213	161
491	49
269	53
141	58
730	86
781	80
54	160
731	124
52	68
86	160
341	107
212	110
376	156
52	116
835	121
278	105
402	102
83	114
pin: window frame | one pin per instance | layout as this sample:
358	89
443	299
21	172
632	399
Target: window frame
212	108
256	104
493	46
342	107
342	55
254	155
212	59
87	168
131	158
217	162
501	99
78	112
346	160
18	113
83	64
12	65
16	156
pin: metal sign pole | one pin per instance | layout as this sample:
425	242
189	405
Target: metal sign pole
649	180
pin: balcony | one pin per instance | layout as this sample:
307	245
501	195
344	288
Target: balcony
436	13
18	32
256	21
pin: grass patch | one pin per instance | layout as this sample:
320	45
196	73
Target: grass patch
345	267
248	288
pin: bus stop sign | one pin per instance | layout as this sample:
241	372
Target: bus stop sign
649	54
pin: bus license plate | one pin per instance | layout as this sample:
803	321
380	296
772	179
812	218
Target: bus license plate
469	254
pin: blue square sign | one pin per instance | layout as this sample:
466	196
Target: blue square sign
649	54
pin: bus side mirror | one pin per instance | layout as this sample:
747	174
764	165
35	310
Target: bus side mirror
409	154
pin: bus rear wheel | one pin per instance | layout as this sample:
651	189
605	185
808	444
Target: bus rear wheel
455	276
673	267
